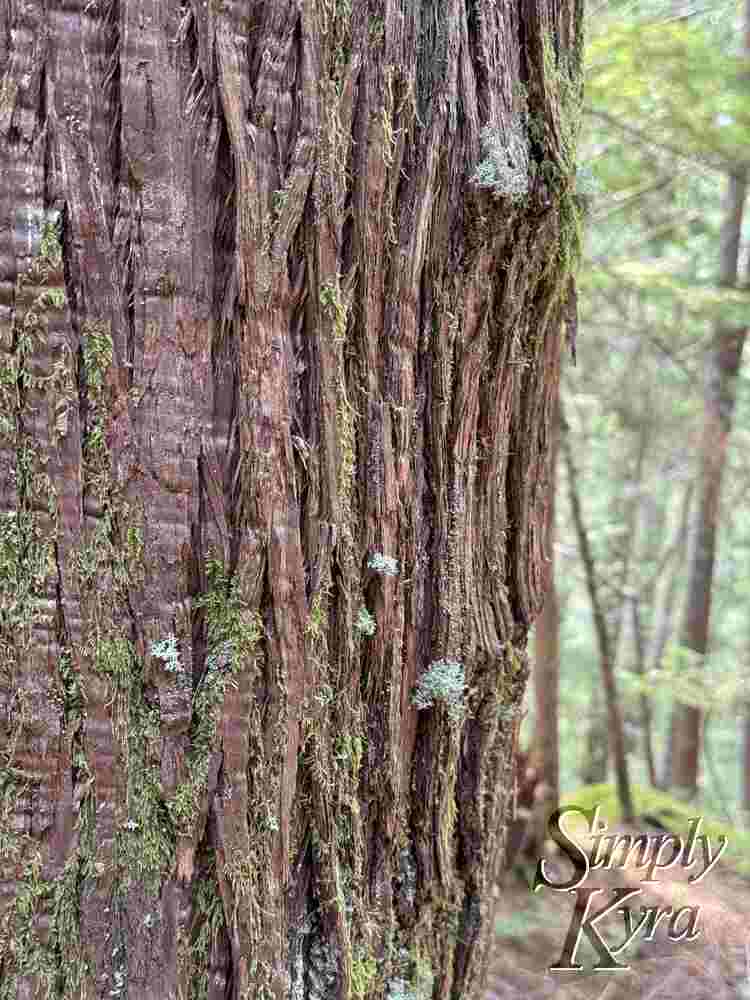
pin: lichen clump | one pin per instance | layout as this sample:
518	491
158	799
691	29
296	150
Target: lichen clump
365	624
380	563
443	682
505	168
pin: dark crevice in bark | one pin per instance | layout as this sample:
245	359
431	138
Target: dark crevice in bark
197	584
235	503
225	234
474	47
133	252
470	926
303	923
112	93
519	14
218	969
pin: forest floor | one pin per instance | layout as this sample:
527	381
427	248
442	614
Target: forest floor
531	930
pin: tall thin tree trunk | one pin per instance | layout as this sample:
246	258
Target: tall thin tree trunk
546	667
594	759
646	719
667	591
280	303
722	367
606	656
745	766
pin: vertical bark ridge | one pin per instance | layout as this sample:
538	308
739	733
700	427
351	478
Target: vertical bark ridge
289	431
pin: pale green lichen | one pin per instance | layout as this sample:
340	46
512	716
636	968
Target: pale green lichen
505	168
383	564
365	623
166	650
444	682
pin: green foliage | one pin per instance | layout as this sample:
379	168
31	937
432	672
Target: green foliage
676	86
684	676
443	682
98	352
663	126
671	811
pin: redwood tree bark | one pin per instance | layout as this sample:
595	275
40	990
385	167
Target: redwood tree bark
279	340
546	669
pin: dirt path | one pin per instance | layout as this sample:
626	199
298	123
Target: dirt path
532	928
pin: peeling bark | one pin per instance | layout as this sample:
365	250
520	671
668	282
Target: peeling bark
276	374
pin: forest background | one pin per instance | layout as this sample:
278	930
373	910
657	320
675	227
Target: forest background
662	293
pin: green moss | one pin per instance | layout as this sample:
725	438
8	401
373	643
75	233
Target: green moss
98	352
233	632
349	749
54	957
280	199
144	845
332	302
50	248
364	972
317	621
208	925
14	784
674	813
563	106
422	976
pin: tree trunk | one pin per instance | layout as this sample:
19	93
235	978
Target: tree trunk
594	759
646	713
744	742
722	367
546	671
279	343
616	735
665	601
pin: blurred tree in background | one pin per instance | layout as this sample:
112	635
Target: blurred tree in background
663	312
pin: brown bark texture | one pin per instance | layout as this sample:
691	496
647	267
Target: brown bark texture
546	666
279	341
